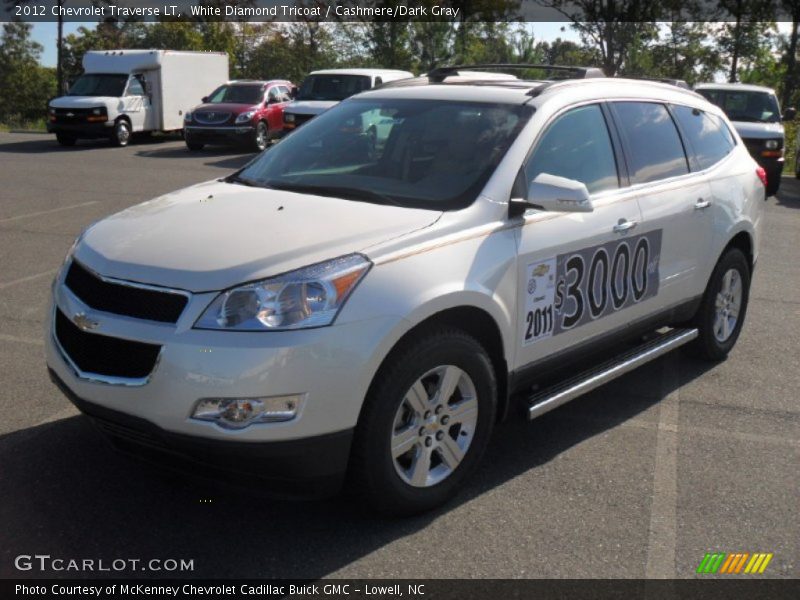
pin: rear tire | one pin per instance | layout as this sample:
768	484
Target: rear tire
65	139
415	445
723	308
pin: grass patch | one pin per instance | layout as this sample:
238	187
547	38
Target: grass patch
25	124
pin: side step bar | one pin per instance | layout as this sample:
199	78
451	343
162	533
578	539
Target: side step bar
561	393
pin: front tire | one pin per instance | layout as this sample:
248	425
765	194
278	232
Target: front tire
65	139
121	136
425	425
722	311
260	137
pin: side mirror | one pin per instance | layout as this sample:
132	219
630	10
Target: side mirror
553	193
293	93
789	114
204	99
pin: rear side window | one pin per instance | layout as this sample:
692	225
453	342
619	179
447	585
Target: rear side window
577	146
654	148
709	138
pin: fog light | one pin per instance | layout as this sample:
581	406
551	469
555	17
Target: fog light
237	413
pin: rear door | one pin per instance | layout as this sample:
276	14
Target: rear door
578	275
674	201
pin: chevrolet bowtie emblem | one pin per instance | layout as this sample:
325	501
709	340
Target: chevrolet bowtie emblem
83	322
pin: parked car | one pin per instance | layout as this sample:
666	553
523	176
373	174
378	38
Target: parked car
123	92
323	89
244	112
340	309
756	115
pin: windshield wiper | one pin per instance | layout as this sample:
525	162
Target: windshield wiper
236	178
348	193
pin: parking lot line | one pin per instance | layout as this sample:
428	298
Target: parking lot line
47	212
663	508
8	284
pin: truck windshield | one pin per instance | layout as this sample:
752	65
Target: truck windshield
430	154
96	84
237	94
741	105
332	87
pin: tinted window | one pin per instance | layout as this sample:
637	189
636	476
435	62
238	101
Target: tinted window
135	87
576	146
332	87
654	147
99	85
237	94
708	136
417	153
739	105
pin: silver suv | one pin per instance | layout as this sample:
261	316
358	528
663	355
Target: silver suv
374	304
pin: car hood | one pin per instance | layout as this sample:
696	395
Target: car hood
758	131
216	235
225	107
310	107
83	101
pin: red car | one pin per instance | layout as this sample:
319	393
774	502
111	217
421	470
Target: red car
239	112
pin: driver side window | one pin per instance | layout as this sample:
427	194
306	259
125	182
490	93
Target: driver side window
577	146
135	86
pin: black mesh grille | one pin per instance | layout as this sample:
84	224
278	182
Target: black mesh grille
104	355
124	299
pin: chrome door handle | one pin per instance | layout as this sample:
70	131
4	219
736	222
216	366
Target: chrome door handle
701	204
624	225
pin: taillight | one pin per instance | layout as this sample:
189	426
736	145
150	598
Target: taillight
762	175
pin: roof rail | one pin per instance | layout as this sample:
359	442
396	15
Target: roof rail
676	82
439	74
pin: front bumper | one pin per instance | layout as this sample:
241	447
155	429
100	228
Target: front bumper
233	134
83	130
309	466
331	367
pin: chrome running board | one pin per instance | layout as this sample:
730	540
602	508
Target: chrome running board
561	393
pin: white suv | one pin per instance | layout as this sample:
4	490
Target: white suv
373	307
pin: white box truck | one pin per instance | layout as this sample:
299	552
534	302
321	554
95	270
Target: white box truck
123	92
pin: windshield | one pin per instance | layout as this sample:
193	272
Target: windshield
332	87
237	94
740	105
99	85
430	154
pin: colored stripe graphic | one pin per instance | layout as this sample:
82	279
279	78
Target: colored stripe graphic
724	563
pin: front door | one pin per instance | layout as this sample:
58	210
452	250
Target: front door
580	274
137	104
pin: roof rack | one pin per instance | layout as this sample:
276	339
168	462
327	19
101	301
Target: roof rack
439	74
676	82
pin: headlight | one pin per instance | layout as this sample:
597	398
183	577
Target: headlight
52	110
308	297
772	144
187	118
97	111
245	116
288	117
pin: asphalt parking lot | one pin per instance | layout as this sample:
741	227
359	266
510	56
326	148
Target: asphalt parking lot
639	478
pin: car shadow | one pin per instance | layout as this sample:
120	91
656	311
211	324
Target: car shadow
229	158
68	494
47	144
789	193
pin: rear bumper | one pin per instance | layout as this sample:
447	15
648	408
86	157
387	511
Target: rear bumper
313	466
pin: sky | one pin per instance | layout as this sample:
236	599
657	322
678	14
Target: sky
46	33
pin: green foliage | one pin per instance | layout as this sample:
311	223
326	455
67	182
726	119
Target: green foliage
25	86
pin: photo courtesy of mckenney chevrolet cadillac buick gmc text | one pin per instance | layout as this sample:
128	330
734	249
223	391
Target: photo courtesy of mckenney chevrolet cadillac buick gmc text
363	308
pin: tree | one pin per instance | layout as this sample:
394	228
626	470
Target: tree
25	86
747	32
792	7
614	28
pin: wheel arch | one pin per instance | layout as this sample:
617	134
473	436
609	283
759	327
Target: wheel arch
472	320
743	240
